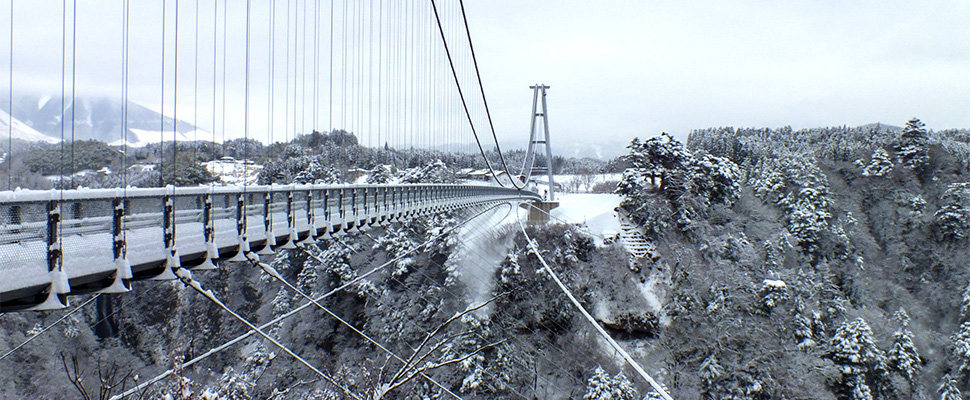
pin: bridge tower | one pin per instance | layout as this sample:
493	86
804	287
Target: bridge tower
535	140
539	210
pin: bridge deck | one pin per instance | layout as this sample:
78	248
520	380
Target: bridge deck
59	243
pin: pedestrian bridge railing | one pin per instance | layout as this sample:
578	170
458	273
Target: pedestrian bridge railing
54	244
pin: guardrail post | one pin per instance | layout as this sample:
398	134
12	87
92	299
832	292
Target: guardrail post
241	222
60	287
118	249
208	233
268	224
290	222
311	217
172	260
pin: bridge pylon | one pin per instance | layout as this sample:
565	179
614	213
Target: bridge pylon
538	210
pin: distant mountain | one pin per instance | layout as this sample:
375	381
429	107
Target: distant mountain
21	131
97	118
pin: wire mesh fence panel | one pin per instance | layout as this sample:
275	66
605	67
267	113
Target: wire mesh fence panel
86	237
190	224
255	217
224	214
144	233
23	244
299	211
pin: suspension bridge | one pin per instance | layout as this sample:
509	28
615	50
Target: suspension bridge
401	75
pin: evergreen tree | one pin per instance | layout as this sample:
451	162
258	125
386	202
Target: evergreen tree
965	305
380	174
879	165
953	217
601	386
948	388
854	351
903	357
911	147
961	347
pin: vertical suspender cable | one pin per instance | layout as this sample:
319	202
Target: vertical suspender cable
63	90
272	69
461	94
215	63
161	128
195	79
10	109
370	72
73	86
330	95
225	43
286	94
124	98
343	70
380	68
175	94
481	87
246	107
316	62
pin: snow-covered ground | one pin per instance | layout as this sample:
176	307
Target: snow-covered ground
578	183
485	241
595	211
142	138
21	130
234	172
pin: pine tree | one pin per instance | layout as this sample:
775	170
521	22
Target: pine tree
879	165
965	305
953	217
911	146
854	351
948	388
380	174
903	357
601	386
961	347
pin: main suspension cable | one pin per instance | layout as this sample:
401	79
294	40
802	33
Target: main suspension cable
599	329
461	94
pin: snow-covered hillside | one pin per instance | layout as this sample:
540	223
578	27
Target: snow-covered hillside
97	118
21	131
142	138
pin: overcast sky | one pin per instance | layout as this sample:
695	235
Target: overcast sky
618	69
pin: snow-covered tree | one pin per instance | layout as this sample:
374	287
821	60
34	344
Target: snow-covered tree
433	172
317	174
911	146
880	164
690	182
953	217
903	357
854	352
602	386
380	174
961	347
948	389
773	292
965	305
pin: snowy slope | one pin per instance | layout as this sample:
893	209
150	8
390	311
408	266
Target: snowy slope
21	131
142	138
595	211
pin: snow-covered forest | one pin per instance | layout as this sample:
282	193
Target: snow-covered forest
825	263
822	263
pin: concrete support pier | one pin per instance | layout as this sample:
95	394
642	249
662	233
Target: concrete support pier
539	211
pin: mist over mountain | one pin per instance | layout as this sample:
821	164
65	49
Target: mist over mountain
95	117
